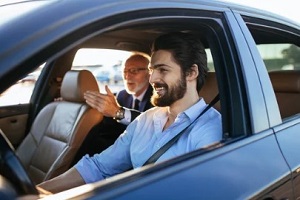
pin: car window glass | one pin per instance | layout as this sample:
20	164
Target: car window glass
280	56
106	65
21	91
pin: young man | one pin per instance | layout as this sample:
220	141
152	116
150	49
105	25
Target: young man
118	111
177	72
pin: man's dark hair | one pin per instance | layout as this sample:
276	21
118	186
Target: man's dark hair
187	49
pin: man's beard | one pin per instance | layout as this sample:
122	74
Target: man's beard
137	89
172	94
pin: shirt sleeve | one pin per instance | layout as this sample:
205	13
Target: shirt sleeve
211	130
127	117
114	160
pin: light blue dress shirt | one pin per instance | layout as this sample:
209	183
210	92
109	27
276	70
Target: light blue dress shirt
145	135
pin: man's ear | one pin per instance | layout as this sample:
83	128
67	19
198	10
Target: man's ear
193	73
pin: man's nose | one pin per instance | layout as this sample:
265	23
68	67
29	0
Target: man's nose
153	77
127	75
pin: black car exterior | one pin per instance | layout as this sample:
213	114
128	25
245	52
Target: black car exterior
258	157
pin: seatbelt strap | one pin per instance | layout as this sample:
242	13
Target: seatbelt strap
164	148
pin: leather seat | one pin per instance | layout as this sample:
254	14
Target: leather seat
59	129
286	86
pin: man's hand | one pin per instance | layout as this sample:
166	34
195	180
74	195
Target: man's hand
104	103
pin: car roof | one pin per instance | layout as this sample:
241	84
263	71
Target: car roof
35	18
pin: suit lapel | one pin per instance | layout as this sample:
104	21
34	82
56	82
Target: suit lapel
145	103
126	100
129	102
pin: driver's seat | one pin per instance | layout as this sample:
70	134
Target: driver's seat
59	129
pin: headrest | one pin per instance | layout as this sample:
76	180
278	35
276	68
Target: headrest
210	89
75	83
286	81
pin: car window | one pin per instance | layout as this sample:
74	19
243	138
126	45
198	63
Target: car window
21	91
280	52
106	65
280	56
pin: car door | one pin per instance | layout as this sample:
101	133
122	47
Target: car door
284	37
286	86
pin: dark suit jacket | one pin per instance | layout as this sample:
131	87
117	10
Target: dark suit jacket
125	100
106	132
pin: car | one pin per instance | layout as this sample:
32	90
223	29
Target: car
259	99
107	74
103	75
118	76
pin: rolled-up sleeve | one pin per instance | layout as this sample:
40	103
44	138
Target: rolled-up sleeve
114	160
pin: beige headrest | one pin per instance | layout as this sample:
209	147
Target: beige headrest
75	83
286	81
210	89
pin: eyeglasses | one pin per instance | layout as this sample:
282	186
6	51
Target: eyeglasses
134	71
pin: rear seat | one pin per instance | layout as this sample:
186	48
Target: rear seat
286	86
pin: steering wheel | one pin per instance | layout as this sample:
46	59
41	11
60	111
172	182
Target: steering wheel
13	170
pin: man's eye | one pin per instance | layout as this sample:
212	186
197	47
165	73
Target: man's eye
133	71
161	70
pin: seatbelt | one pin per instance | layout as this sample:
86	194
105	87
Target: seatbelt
164	148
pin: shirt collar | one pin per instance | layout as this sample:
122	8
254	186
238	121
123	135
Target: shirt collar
198	107
190	112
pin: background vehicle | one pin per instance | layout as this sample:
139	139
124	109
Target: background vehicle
259	102
109	74
103	75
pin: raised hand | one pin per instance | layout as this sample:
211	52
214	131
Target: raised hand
104	103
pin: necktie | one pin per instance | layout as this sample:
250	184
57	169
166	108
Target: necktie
136	104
